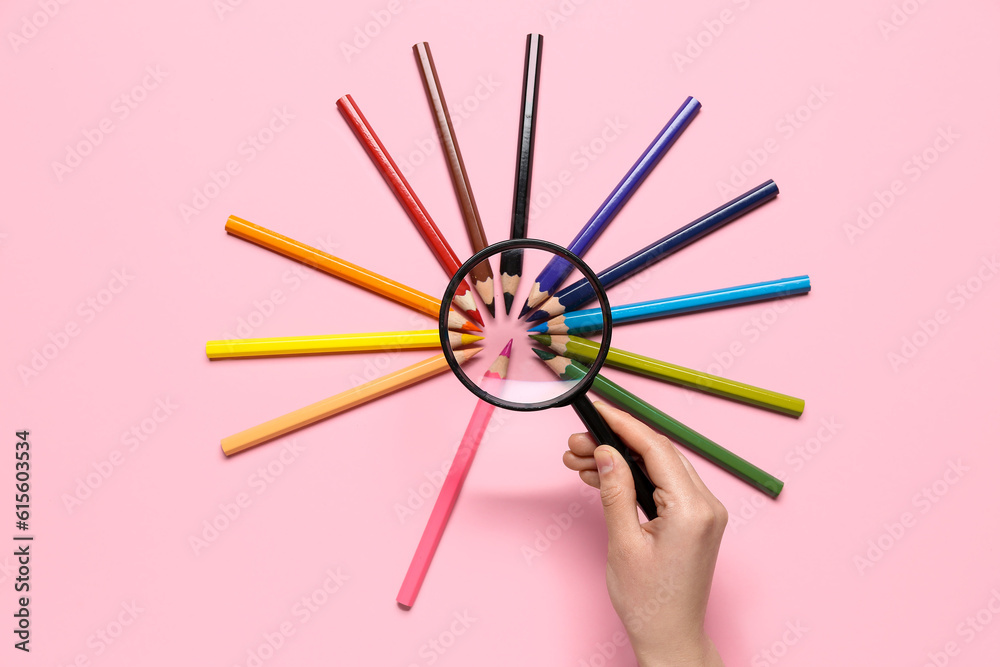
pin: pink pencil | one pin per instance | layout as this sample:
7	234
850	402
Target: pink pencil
452	484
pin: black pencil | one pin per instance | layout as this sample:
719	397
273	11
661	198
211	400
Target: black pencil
511	260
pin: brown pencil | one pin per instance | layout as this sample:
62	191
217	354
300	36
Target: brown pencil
482	274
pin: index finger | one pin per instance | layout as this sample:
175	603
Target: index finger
663	463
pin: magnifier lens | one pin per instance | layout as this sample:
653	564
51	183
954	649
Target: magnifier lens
532	381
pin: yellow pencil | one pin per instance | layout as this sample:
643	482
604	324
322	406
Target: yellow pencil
345	400
358	342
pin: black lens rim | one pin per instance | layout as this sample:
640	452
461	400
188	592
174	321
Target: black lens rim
584	384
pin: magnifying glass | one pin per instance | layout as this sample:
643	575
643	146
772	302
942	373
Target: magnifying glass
529	384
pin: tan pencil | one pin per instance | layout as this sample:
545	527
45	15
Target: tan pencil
345	400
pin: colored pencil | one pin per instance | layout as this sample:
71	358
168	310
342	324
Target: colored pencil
408	198
345	400
339	268
581	349
511	261
582	292
579	322
481	274
242	348
555	272
572	370
452	485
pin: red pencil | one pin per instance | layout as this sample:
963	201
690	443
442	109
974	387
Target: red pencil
408	198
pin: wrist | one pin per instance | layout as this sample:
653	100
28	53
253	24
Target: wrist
700	653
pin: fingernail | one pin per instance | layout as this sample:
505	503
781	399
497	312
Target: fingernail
605	463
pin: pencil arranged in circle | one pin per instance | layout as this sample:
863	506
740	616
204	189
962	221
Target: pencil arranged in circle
582	292
555	272
482	273
581	349
578	322
328	407
452	485
346	271
408	198
568	369
511	261
242	348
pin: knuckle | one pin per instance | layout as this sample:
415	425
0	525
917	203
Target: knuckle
611	494
701	518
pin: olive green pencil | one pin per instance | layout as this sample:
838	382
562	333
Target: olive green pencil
568	369
585	350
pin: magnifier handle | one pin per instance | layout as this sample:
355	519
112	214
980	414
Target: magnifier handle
603	435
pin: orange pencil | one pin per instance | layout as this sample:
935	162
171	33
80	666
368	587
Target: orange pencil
338	268
345	400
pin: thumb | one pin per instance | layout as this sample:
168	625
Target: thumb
617	495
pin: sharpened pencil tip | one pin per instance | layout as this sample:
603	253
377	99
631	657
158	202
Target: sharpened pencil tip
538	315
525	309
505	352
508	301
544	355
544	339
539	328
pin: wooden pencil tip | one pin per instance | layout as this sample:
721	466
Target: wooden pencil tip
506	348
544	355
544	339
508	301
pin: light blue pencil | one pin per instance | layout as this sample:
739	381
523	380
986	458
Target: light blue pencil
586	321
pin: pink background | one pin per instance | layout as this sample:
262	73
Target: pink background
888	431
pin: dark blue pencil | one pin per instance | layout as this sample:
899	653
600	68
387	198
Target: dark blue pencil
555	272
582	292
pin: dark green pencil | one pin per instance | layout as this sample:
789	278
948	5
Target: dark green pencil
568	369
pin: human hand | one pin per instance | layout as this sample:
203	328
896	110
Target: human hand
659	573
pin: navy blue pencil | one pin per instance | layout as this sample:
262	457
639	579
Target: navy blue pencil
582	292
555	272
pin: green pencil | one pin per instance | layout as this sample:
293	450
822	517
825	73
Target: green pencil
567	369
585	350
